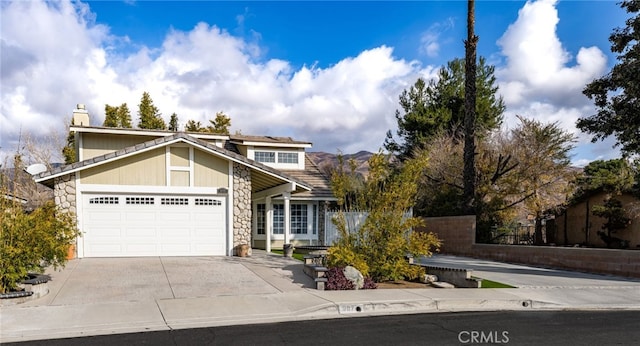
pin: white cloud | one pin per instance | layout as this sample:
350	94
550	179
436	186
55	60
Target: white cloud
347	106
430	39
541	80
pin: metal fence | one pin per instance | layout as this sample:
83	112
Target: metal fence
518	235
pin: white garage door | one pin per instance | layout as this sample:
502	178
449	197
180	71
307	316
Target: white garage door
126	225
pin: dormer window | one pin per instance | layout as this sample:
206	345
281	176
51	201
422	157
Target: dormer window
288	158
265	156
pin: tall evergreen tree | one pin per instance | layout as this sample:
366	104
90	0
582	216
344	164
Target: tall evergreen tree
110	116
194	126
437	106
150	117
220	125
117	116
617	94
173	122
124	116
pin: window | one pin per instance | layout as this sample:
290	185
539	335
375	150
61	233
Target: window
265	156
104	200
299	219
303	218
174	201
261	214
139	200
207	201
278	219
287	157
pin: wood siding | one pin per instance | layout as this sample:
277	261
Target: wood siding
147	168
210	171
94	144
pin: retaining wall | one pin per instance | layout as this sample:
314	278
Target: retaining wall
458	238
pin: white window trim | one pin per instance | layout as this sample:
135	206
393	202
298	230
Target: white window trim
276	151
170	168
311	223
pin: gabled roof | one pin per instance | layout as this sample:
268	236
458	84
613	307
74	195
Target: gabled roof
264	177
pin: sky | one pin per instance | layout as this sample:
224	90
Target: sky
327	72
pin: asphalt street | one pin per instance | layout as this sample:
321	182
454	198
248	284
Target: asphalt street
463	328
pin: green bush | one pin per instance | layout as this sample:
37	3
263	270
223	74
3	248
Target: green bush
29	242
380	246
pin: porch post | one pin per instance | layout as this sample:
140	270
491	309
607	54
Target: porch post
268	223
287	216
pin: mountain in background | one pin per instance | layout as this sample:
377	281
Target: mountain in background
326	162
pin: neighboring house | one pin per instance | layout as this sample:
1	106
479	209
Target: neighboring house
577	224
142	192
18	186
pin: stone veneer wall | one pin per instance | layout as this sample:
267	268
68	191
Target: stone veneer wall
241	205
64	193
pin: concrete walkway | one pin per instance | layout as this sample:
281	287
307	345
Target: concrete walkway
120	295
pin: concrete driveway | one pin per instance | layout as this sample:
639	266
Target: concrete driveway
108	280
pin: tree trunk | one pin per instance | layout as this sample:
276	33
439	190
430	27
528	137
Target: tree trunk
469	173
537	235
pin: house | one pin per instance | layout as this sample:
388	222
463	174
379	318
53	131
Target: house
138	192
17	186
578	225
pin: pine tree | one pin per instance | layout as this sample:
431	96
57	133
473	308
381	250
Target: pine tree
150	117
110	116
194	126
173	122
617	94
124	116
117	116
220	125
438	106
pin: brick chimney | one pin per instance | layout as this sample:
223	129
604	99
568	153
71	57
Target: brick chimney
80	116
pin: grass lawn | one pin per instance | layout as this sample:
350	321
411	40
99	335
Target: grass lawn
298	256
493	284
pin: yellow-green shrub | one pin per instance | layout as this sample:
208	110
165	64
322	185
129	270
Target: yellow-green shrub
31	241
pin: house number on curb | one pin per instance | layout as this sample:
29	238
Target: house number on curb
350	308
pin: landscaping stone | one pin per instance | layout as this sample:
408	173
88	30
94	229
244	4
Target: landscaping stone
352	274
428	278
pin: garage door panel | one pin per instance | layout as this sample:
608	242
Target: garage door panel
154	226
141	249
104	215
105	250
138	215
173	216
139	232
